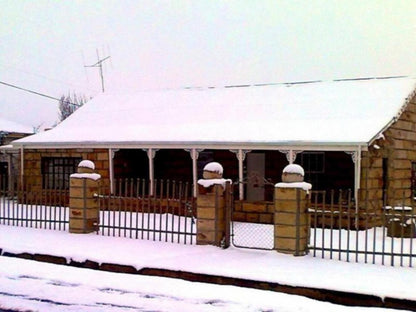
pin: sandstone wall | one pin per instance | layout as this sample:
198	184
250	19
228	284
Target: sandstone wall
398	148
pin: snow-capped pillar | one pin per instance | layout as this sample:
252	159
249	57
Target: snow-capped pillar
83	201
213	207
291	219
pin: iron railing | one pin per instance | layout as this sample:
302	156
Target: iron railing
162	212
22	208
345	231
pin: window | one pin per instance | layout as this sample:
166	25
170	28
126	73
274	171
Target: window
313	162
56	171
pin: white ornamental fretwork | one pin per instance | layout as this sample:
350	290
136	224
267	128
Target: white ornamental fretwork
290	155
241	154
151	152
113	152
353	155
194	152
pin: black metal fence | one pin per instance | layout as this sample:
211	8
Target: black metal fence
164	211
341	230
22	208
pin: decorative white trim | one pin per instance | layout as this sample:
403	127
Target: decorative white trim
354	156
240	153
151	152
194	152
291	154
113	152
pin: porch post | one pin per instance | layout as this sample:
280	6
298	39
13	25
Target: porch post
357	180
111	169
151	155
22	167
194	156
356	159
241	155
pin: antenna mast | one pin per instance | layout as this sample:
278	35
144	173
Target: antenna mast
100	65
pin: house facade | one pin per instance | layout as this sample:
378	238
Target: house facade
350	134
9	164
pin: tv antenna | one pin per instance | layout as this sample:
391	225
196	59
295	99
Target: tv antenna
99	64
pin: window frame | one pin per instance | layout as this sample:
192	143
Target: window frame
55	171
307	169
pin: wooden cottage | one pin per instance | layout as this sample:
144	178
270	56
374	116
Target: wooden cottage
357	134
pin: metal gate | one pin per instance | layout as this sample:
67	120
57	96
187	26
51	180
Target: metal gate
250	235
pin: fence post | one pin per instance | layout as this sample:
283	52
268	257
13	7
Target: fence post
291	220
83	202
212	226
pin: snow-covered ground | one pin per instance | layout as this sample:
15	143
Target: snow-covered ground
269	266
34	286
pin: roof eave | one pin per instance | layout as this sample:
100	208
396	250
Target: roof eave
283	145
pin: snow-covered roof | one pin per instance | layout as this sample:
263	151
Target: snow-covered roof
333	112
11	126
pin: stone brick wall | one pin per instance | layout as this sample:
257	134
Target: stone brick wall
256	212
32	164
398	147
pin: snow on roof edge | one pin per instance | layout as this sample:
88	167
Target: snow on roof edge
399	113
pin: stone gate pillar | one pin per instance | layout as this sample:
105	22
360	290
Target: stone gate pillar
291	220
212	213
83	204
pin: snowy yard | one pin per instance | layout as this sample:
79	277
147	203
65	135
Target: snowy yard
29	285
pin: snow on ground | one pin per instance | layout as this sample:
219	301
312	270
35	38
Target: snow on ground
270	266
39	286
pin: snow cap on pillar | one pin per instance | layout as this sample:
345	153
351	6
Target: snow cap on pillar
213	170
293	173
86	166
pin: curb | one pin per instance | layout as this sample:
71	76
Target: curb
327	295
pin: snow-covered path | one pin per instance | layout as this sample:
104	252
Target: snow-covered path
34	286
